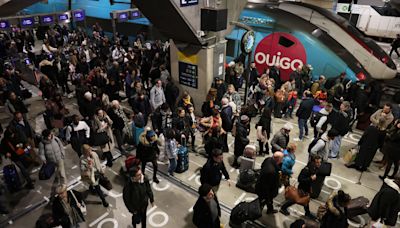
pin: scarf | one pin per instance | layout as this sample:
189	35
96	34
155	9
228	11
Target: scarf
186	100
127	130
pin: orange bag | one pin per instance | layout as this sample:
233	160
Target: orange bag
298	197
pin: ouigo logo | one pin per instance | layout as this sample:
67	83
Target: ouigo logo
280	48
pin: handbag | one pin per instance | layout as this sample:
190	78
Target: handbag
350	155
46	171
99	139
292	193
103	181
82	208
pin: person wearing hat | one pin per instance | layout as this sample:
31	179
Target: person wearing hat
136	195
281	139
206	211
66	208
147	151
241	139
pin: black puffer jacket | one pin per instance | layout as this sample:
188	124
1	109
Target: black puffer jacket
147	151
137	195
241	139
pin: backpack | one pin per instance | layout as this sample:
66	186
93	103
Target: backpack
315	117
313	143
246	211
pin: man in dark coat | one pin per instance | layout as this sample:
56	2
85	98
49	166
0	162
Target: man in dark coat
275	74
212	171
136	195
141	104
206	211
391	149
268	183
241	139
227	122
304	113
221	88
171	94
386	203
147	151
395	45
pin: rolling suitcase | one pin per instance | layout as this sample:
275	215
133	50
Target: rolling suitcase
183	160
11	178
357	206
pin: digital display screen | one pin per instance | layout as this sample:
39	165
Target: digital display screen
135	14
26	22
46	19
4	24
62	17
123	16
79	15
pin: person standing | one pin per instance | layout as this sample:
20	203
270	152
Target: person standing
90	170
120	126
322	120
52	150
395	45
306	177
288	162
391	149
321	147
268	183
77	133
227	121
171	149
340	122
212	170
102	123
386	203
136	195
304	113
206	211
281	139
233	96
264	131
241	138
157	97
385	117
66	208
147	151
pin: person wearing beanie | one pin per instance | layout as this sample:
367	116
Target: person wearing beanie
136	195
147	151
241	138
206	211
281	138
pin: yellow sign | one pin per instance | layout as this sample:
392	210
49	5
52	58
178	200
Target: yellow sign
187	58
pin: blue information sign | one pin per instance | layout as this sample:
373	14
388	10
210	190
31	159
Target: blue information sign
62	17
79	15
123	17
4	24
49	19
28	21
189	2
135	14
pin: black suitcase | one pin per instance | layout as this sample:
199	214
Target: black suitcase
357	206
316	186
245	211
325	169
247	180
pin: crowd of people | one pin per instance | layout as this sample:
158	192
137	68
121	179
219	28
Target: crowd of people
106	71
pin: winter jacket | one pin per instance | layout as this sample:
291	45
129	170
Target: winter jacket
241	139
340	122
88	172
268	183
157	97
288	162
147	151
202	214
377	117
321	148
212	171
335	216
136	195
304	178
51	150
60	216
23	131
391	146
171	148
305	109
279	141
118	122
97	127
226	116
386	203
235	98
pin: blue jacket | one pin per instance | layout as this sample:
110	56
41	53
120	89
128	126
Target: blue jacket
288	162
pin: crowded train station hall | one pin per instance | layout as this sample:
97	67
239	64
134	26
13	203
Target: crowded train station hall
199	113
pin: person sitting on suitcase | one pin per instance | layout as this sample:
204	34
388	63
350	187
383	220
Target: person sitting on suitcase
306	177
386	203
147	151
212	171
206	211
9	146
336	213
268	182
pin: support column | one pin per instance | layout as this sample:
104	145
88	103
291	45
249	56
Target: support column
193	68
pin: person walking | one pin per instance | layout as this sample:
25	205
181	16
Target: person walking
268	183
206	211
395	45
212	170
304	113
227	121
281	139
340	122
289	159
157	97
264	130
51	149
386	203
322	145
90	171
321	120
136	195
102	124
336	213
147	151
121	127
77	134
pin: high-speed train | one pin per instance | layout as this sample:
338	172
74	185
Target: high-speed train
290	41
375	60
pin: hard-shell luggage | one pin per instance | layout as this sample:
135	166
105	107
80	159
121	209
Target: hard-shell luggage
245	211
183	160
316	186
11	178
357	206
247	180
46	171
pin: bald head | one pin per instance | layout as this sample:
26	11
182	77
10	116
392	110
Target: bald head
278	157
115	104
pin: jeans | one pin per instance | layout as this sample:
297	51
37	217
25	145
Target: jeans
172	165
335	146
303	126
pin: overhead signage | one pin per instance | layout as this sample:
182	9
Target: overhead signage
188	74
122	16
62	17
135	14
4	24
79	15
189	2
27	22
48	19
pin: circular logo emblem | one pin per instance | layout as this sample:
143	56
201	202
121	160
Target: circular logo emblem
248	41
283	49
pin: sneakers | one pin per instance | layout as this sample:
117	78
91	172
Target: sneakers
306	136
284	212
297	139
